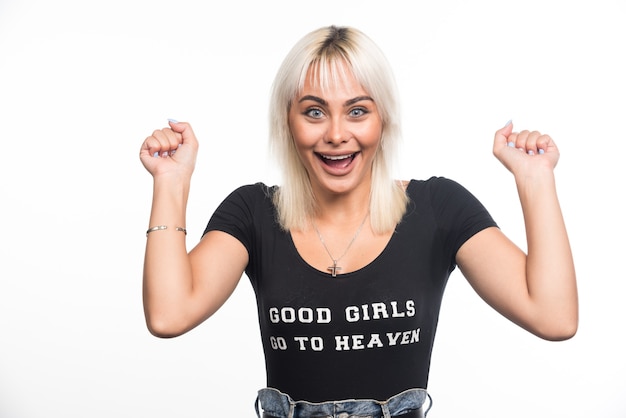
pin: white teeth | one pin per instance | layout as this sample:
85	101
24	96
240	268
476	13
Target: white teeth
337	157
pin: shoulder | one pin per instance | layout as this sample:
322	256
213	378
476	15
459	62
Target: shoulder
245	201
435	185
254	192
443	196
254	189
242	210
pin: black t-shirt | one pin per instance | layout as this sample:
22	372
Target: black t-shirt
365	334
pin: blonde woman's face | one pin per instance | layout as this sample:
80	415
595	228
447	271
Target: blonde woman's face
337	132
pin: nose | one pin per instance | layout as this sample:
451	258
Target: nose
337	131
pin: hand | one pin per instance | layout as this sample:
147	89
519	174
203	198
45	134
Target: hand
526	152
170	150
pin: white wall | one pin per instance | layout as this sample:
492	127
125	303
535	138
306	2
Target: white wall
83	83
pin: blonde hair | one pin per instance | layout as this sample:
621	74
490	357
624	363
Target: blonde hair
324	51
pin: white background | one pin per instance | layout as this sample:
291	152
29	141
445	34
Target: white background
83	83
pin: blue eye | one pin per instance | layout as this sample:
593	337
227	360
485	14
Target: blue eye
357	111
314	113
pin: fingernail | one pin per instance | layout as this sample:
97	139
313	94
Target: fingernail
511	144
508	123
541	151
173	120
164	154
531	152
156	154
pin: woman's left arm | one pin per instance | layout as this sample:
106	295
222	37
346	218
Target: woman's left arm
536	290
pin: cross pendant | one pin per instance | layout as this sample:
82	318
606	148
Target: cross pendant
333	269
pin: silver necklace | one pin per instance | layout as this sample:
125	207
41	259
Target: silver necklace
333	269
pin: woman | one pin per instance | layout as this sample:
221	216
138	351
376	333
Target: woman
349	265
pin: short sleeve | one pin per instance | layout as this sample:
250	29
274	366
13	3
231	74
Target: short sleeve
235	215
458	213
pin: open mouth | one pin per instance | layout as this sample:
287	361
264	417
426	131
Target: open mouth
337	161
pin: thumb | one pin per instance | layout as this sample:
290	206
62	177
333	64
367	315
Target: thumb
184	129
503	133
502	138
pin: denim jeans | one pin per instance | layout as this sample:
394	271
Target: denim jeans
280	405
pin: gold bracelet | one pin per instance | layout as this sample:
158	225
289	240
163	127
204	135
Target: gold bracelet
162	227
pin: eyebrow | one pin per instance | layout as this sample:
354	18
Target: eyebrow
324	102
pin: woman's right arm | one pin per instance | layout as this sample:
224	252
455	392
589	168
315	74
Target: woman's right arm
181	289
